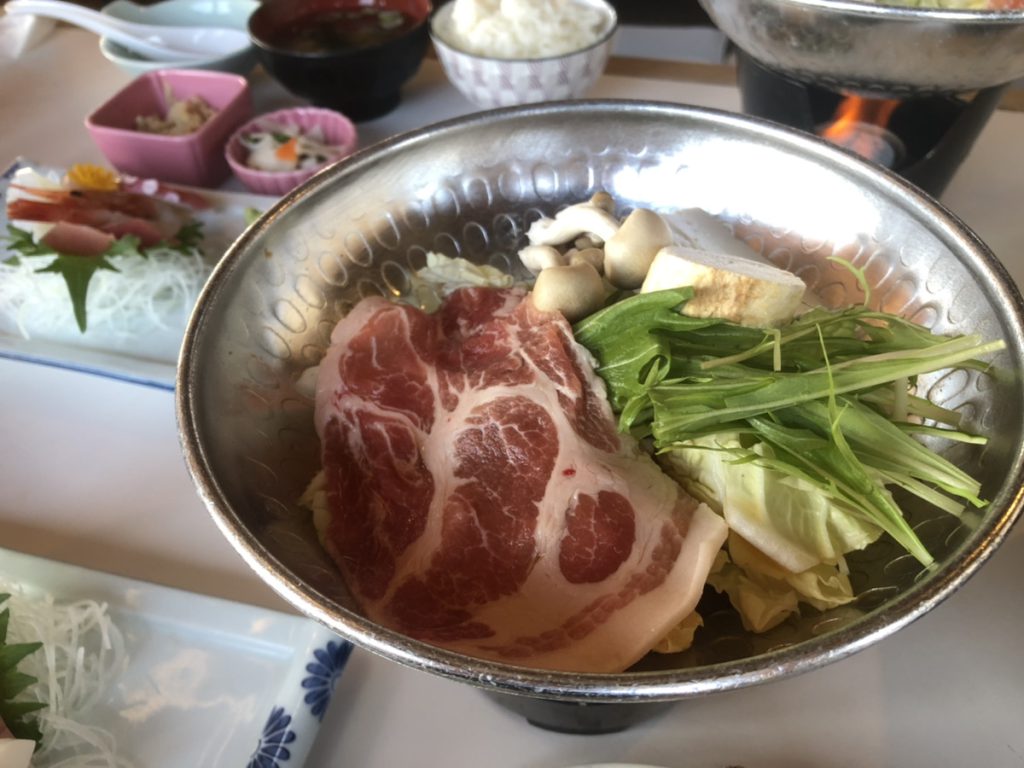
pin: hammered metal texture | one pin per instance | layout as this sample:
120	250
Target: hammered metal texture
877	48
470	188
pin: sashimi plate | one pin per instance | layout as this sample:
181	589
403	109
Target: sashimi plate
208	682
132	360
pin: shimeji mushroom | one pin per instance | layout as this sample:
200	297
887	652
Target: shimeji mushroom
586	241
592	256
587	218
604	201
629	252
539	257
575	290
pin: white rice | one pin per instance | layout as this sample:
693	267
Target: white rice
522	29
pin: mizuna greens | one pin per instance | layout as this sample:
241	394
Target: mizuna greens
823	403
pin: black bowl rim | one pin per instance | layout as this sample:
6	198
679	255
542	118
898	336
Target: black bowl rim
410	35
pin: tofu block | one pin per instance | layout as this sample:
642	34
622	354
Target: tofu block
696	228
745	291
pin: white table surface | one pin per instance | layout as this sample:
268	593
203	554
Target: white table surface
91	473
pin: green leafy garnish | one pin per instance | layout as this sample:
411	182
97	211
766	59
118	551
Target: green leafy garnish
16	714
21	241
189	237
251	215
823	400
78	270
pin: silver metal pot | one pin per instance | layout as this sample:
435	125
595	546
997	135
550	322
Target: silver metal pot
882	49
469	187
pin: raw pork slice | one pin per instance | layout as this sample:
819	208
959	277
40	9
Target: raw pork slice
481	498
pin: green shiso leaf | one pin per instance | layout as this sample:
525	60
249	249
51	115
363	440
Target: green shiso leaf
189	237
77	271
15	714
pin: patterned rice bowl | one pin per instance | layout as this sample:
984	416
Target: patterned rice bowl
495	82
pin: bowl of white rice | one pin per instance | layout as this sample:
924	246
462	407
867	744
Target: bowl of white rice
505	52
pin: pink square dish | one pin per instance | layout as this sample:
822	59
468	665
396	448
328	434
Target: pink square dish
195	158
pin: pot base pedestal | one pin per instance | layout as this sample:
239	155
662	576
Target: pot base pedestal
581	718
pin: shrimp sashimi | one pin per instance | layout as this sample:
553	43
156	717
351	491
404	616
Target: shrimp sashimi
116	213
63	232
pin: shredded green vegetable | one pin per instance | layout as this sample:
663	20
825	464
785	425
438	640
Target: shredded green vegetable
827	395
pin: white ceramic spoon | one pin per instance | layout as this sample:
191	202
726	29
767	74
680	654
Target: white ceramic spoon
157	41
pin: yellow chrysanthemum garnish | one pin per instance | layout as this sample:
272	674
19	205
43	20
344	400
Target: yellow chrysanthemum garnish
89	176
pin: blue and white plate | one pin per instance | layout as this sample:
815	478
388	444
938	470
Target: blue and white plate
209	682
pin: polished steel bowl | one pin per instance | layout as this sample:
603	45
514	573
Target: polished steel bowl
860	46
470	187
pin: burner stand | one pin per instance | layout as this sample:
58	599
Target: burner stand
935	132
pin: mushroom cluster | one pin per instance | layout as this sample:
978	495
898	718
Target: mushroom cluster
585	252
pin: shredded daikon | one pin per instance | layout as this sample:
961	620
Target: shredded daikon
83	655
143	307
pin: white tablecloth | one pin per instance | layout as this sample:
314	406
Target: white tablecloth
91	473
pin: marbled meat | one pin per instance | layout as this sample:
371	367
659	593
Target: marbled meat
480	497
